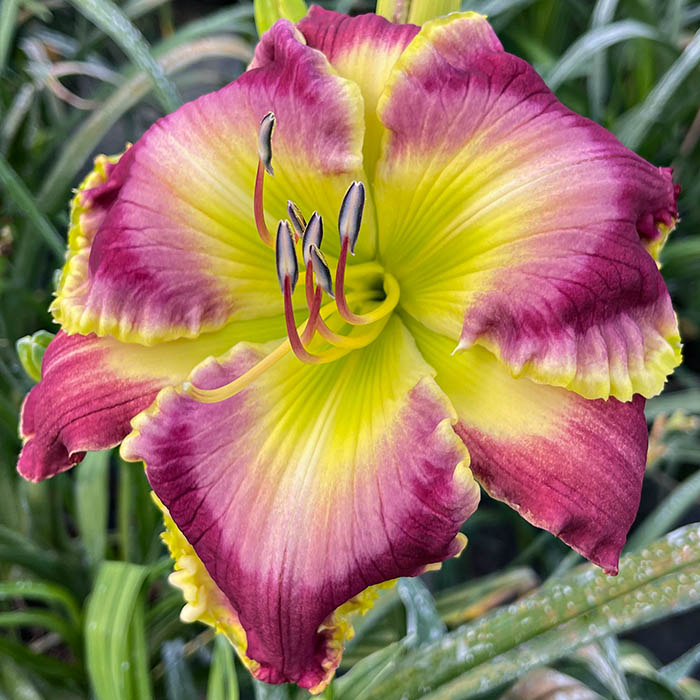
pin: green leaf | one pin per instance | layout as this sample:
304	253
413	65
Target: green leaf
78	148
667	513
370	671
139	651
48	593
48	564
267	12
415	11
223	682
16	682
682	666
422	619
564	614
115	24
8	21
24	201
137	8
650	685
681	259
667	403
46	666
603	660
603	13
636	125
265	691
543	683
92	504
577	57
473	598
493	8
41	618
237	19
115	646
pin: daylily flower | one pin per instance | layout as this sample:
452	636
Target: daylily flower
503	299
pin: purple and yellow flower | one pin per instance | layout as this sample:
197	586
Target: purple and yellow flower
310	442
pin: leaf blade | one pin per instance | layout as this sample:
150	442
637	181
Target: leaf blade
580	607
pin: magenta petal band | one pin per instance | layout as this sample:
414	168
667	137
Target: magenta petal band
567	464
305	450
178	253
292	523
92	387
84	402
587	496
537	215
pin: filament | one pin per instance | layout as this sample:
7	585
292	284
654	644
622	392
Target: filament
237	385
260	224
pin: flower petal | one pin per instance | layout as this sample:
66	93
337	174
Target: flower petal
535	216
570	465
363	49
309	486
92	387
93	199
178	253
205	602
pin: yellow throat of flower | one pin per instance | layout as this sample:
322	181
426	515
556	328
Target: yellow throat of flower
296	240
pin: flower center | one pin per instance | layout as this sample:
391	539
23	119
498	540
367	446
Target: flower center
300	239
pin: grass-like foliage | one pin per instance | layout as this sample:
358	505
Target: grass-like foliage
85	608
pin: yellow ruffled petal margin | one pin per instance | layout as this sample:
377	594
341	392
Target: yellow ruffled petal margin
84	222
205	602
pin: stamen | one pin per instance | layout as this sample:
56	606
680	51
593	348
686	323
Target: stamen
264	164
391	288
312	236
350	217
267	124
355	341
343	309
286	258
313	301
321	270
237	385
288	274
297	219
294	340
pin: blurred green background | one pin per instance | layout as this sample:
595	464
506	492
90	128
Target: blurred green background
85	609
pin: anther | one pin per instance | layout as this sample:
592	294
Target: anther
286	257
264	165
297	219
267	124
312	236
321	270
350	217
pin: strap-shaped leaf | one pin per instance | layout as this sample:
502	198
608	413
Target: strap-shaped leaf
422	619
223	682
114	634
634	127
113	22
92	504
565	613
579	54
